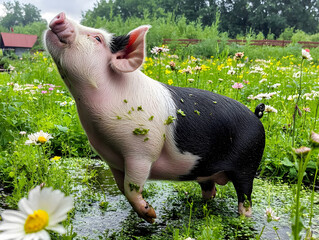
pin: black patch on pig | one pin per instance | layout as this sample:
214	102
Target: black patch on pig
119	43
223	133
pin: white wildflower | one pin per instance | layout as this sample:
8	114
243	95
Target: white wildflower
306	54
157	50
276	85
38	138
270	109
62	104
270	214
231	71
297	75
43	210
263	80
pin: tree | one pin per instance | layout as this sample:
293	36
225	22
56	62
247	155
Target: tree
236	16
31	14
14	14
17	14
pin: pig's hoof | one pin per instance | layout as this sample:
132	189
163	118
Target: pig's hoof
246	211
148	213
209	194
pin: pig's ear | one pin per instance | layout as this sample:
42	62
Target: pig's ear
131	57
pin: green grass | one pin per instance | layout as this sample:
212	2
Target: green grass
33	98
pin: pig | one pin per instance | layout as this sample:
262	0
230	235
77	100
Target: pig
145	129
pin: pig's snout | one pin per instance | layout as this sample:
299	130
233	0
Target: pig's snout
57	20
62	28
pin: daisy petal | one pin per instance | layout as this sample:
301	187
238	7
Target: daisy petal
44	235
56	219
57	228
14	216
51	200
5	226
25	207
34	197
65	206
10	235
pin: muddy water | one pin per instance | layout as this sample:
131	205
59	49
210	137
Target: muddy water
93	222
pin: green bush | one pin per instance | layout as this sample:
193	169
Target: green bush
300	36
287	34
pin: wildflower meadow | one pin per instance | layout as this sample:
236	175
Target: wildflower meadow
45	153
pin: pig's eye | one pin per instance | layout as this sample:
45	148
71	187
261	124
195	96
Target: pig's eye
98	39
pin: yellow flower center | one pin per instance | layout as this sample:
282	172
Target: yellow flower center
42	139
36	221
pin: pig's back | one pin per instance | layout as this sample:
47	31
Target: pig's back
224	133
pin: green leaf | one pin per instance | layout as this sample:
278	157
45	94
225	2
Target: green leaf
287	163
62	129
12	109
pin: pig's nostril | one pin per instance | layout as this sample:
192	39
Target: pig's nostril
59	19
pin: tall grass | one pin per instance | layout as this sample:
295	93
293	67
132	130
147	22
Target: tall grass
33	98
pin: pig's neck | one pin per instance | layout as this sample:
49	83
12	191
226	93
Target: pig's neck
109	90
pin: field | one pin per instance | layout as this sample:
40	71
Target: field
33	97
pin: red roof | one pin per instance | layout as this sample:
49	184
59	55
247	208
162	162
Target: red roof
18	40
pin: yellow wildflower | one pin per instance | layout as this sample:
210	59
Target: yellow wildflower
167	71
204	67
220	67
55	158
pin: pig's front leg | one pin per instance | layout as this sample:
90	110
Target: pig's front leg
136	174
119	178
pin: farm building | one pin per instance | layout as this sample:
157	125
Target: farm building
20	43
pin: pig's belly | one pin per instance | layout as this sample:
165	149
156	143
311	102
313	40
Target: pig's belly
107	153
172	164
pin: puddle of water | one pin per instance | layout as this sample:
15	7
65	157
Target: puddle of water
93	222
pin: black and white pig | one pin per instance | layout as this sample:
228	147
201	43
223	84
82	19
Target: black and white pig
148	130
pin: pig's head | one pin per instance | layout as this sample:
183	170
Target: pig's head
86	54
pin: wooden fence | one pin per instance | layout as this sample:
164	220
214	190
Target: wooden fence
280	43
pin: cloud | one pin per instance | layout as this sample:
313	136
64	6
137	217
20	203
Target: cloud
49	9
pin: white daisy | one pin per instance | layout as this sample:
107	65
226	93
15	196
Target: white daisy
270	215
306	54
62	104
157	50
43	210
38	138
270	109
276	85
263	80
297	75
231	71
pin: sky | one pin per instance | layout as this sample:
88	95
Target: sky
50	8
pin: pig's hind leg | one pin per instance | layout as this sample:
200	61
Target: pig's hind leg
208	189
243	186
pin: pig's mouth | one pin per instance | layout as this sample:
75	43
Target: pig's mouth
62	28
55	36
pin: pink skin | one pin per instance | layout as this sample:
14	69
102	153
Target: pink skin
62	29
100	81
